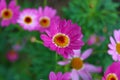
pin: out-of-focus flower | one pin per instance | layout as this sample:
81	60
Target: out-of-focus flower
12	55
94	39
33	39
59	76
10	13
44	18
79	68
114	46
63	37
28	19
112	72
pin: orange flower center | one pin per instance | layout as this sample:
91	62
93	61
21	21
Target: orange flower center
7	14
118	48
76	63
28	20
45	22
111	76
61	40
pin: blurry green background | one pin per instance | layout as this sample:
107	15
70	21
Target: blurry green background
35	61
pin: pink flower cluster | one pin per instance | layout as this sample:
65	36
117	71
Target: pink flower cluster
63	37
113	71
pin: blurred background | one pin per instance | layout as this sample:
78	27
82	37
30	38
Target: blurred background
22	59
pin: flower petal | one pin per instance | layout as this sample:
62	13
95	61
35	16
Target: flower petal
85	75
74	75
52	76
86	54
92	68
62	63
77	53
112	41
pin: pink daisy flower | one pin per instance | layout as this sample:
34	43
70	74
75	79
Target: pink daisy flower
59	76
12	56
63	37
10	13
114	46
94	39
112	72
44	18
28	19
79	68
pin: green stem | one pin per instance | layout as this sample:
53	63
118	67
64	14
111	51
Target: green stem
56	58
66	68
38	41
45	3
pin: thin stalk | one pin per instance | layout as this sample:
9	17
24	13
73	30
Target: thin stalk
45	3
56	58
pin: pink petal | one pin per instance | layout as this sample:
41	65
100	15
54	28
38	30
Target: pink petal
52	76
53	47
59	75
117	35
111	52
92	68
45	38
62	63
77	53
86	54
115	58
74	75
66	76
111	46
85	75
112	41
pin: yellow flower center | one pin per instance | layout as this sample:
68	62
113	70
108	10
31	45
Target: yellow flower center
111	76
28	20
118	48
6	14
61	40
45	22
76	63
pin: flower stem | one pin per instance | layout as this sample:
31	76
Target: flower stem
56	58
45	3
38	41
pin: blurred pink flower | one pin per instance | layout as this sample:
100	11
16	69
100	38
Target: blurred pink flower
63	37
28	19
79	67
59	76
12	56
10	13
112	72
114	46
44	18
94	39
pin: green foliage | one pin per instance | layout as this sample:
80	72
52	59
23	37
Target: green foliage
92	14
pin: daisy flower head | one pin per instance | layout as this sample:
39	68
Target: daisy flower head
79	68
44	18
112	72
114	46
28	19
12	55
63	37
9	13
59	76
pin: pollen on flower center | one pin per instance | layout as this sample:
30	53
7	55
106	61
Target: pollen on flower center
45	22
76	63
7	14
118	48
28	20
61	40
112	76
